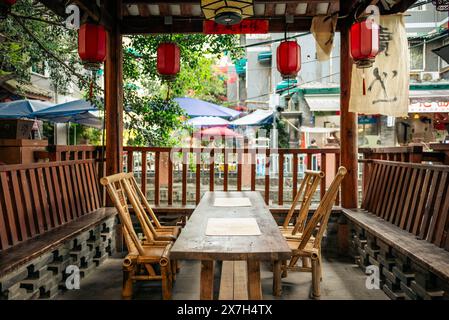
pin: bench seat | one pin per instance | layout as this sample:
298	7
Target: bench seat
21	254
429	256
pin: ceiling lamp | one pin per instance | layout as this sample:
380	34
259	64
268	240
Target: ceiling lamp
92	45
227	12
288	58
364	38
5	7
168	60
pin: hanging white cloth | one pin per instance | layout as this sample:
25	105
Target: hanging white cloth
323	30
387	81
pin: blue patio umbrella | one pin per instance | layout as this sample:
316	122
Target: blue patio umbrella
66	109
200	108
87	118
22	108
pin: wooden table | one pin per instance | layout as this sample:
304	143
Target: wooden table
194	244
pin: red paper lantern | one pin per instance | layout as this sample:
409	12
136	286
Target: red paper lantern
364	38
168	60
92	45
288	59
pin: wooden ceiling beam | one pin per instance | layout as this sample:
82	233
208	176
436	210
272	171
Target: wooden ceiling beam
143	10
155	25
198	1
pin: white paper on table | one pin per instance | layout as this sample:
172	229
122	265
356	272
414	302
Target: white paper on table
232	202
232	227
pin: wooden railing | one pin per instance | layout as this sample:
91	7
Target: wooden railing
248	168
63	153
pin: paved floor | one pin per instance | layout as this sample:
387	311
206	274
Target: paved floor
342	280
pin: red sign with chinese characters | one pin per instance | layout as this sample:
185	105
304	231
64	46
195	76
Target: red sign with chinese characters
249	26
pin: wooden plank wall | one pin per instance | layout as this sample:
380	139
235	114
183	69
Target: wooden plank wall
37	198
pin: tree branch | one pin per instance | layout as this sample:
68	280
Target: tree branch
52	55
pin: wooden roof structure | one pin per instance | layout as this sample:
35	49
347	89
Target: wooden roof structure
123	17
186	16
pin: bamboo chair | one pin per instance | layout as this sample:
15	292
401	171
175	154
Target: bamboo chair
304	196
140	263
310	247
152	225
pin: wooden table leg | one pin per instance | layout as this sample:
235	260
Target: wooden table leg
207	280
277	282
254	284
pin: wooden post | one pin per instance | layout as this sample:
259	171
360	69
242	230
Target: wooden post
348	125
113	94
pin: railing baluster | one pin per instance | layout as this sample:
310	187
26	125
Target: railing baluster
211	170
309	161
267	176
239	169
184	177
143	181
157	160
280	178
225	169
170	179
130	162
295	175
323	180
253	169
198	177
337	165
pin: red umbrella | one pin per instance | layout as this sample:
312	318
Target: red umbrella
217	132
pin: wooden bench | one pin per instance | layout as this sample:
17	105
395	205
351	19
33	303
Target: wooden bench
51	215
233	281
402	227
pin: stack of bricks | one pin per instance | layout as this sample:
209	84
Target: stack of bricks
45	276
400	277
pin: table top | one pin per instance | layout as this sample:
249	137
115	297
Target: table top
194	244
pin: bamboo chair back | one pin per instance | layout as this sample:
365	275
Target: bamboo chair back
320	217
116	186
143	201
304	196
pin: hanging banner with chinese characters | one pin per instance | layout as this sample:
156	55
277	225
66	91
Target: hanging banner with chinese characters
323	30
387	81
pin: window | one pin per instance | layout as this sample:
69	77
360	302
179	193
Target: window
416	51
39	68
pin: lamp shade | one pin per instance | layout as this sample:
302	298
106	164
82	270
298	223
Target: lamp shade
92	45
227	12
364	39
168	59
288	59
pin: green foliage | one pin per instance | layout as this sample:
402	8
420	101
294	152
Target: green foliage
283	136
153	121
145	90
201	82
20	51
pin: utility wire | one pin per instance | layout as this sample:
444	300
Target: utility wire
290	88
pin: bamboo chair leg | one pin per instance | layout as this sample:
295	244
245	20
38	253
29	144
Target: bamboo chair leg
315	277
173	269
306	262
127	289
166	285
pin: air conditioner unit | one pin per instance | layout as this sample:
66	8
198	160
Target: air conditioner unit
430	76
